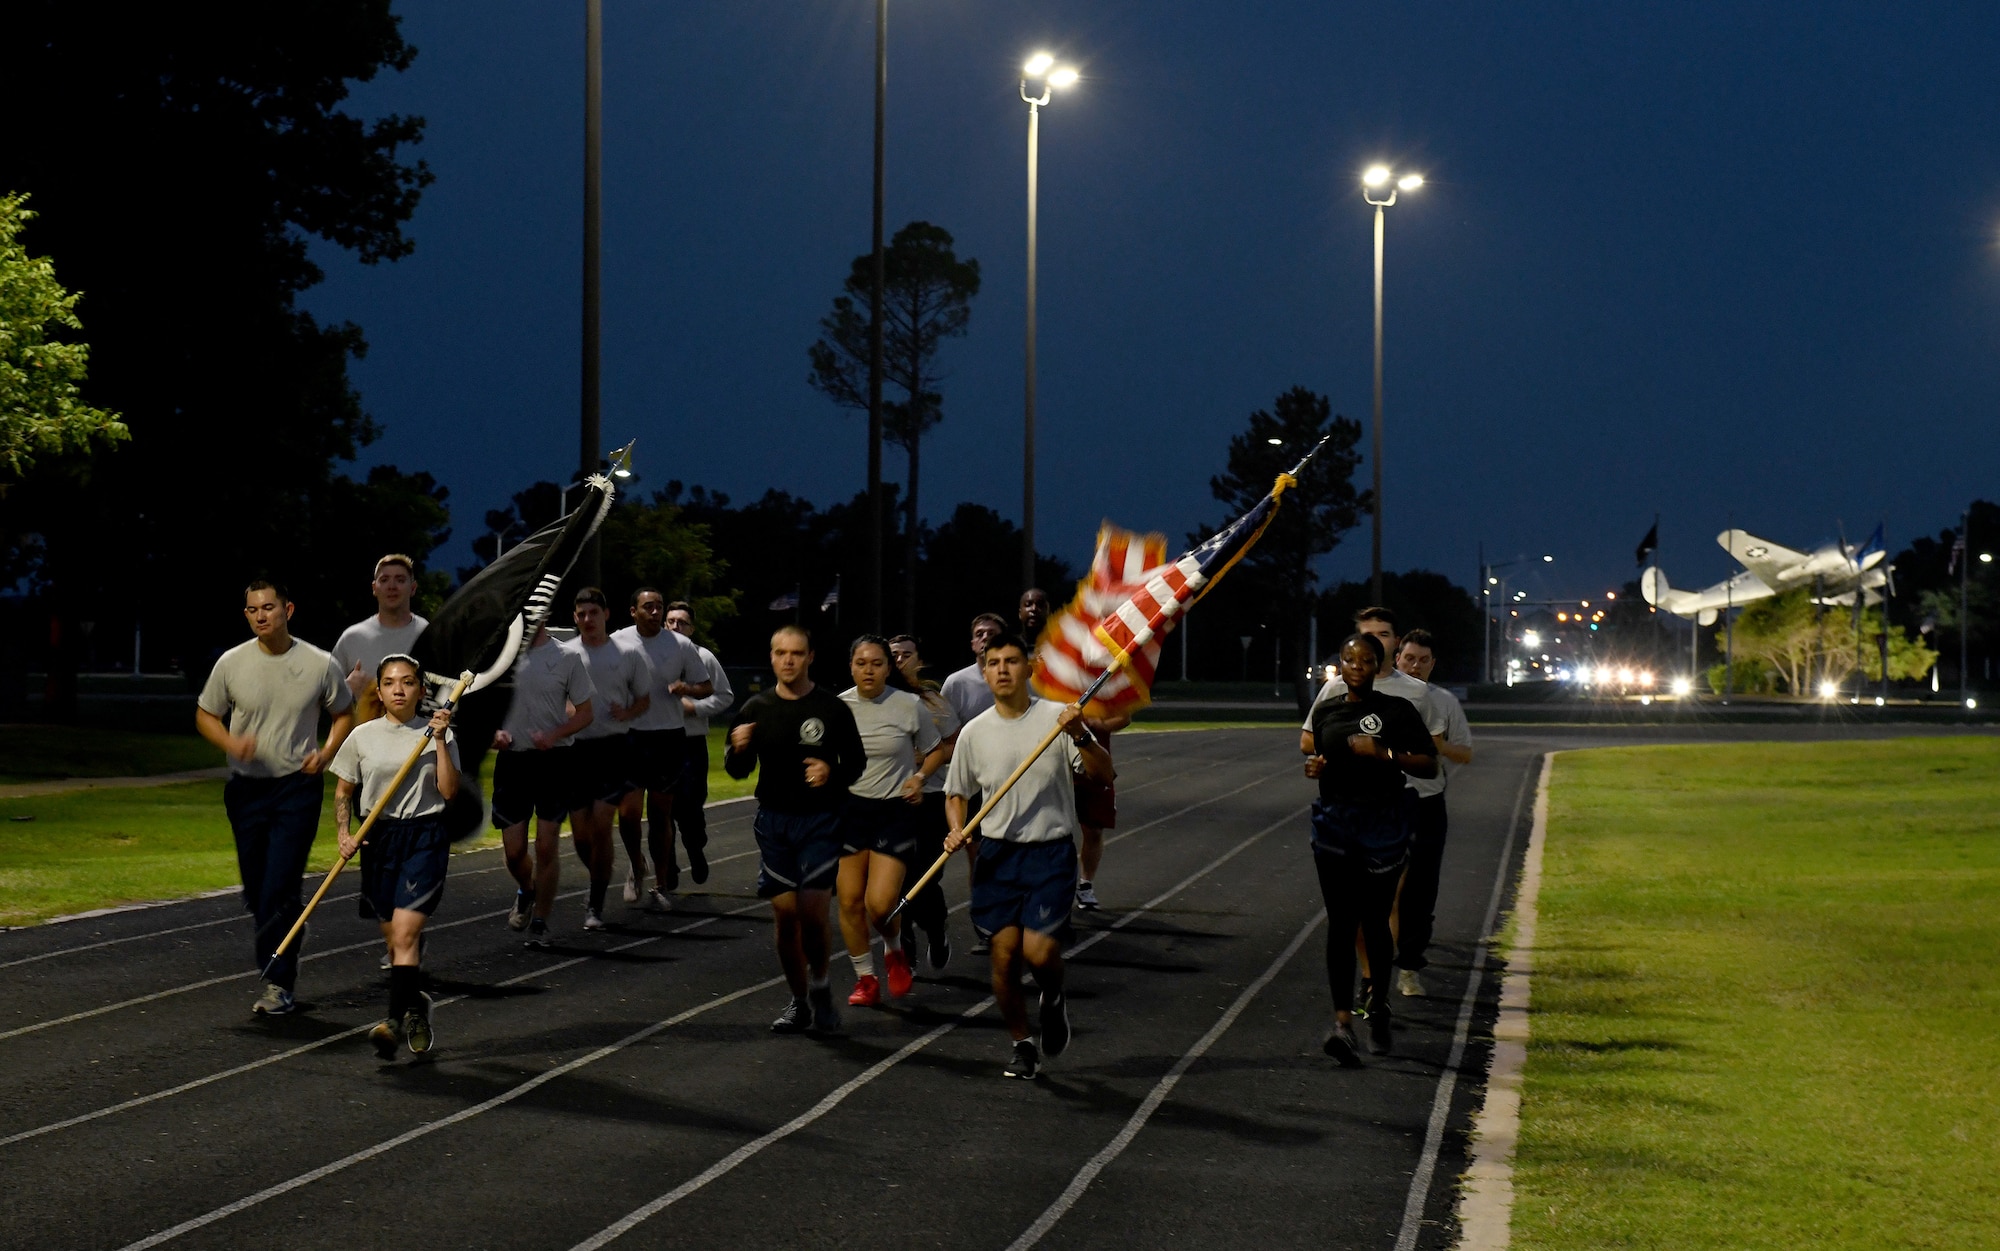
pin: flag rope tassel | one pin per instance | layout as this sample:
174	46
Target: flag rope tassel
368	823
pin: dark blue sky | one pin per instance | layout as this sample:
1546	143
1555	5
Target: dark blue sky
1693	259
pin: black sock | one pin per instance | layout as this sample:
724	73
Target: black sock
597	896
405	985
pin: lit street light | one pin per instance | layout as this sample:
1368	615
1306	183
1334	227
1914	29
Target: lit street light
1375	179
1041	68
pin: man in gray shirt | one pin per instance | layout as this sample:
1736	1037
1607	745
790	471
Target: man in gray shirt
392	631
659	749
692	792
965	690
532	780
261	706
623	680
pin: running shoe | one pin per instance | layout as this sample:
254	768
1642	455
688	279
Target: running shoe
631	892
795	1019
867	992
592	919
1408	983
524	904
1025	1064
698	864
275	1001
538	934
939	953
896	972
417	1025
1379	1039
825	1017
1055	1024
658	900
1361	1000
1342	1046
387	1036
1086	899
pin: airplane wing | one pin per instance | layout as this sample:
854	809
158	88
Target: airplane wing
1768	560
1703	605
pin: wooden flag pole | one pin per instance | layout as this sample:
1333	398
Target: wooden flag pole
368	823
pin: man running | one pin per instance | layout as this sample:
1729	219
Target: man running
1024	881
532	779
623	680
1416	906
966	691
1096	802
691	794
658	748
261	706
1033	611
393	630
806	749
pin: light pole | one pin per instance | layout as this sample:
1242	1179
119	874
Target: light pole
1376	178
593	239
1042	69
874	602
1486	584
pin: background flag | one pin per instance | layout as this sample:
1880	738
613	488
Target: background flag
786	602
1648	545
832	597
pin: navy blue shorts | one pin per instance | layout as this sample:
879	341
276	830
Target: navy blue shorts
1031	885
603	769
888	826
796	851
403	864
654	760
532	783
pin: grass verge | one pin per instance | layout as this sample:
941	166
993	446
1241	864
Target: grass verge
45	753
1764	1000
72	852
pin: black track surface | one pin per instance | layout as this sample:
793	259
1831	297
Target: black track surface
570	1116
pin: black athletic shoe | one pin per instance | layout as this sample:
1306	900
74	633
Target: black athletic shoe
524	906
698	864
673	874
387	1036
1361	1000
795	1019
1025	1064
1055	1025
417	1026
825	1017
939	953
1379	1040
538	935
1341	1045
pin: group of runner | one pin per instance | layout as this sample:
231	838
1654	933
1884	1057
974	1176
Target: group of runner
857	794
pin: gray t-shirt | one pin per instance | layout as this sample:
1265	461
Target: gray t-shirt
896	733
947	723
966	691
366	642
370	757
548	681
1395	682
1456	731
619	675
277	700
674	659
716	702
1041	807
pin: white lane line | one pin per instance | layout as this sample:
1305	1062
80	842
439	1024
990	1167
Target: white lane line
282	1056
1420	1181
1158	1095
1486	1206
730	1162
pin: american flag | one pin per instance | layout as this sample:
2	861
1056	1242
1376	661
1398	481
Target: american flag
1111	631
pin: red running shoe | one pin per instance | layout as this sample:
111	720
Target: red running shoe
901	979
867	992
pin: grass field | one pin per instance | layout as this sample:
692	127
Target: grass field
42	753
67	853
1765	1000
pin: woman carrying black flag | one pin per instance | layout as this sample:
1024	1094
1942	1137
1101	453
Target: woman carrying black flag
1359	748
403	862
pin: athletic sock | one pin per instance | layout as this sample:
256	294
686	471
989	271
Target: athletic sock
864	965
597	893
406	982
818	983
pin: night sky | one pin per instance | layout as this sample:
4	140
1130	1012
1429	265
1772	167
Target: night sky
1698	260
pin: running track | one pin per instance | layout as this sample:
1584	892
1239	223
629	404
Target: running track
624	1090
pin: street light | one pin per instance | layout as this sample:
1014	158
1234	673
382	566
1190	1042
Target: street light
1041	68
1375	179
878	278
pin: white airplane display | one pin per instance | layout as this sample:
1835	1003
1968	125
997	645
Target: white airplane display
1837	572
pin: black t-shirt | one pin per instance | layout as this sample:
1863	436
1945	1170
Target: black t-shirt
1352	779
818	725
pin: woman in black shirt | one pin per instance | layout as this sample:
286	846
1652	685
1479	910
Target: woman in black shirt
1360	749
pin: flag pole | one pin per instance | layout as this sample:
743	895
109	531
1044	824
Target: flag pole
464	680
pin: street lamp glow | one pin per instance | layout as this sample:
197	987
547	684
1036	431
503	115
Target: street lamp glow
1531	639
1986	558
1275	442
1683	686
1377	176
1409	182
1038	64
1548	560
1828	690
1064	77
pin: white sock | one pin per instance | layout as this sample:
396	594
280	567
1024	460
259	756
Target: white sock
864	965
816	983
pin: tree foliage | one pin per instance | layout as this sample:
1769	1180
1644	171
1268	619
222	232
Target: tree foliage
41	379
1793	645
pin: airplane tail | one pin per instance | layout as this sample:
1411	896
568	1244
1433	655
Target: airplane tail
1653	585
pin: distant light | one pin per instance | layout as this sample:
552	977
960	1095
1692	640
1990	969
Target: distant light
1275	442
1986	558
1646	699
1646	678
1562	616
1493	582
1064	77
1548	560
1409	182
1972	703
1604	675
1377	176
1879	701
1038	64
1682	686
1531	639
1828	690
1611	595
1585	603
1593	625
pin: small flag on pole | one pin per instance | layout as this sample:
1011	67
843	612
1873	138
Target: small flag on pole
1648	545
786	602
1957	554
832	599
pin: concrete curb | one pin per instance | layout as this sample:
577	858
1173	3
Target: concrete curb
65	786
1486	1204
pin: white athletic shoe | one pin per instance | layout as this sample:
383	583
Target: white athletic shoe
632	888
275	1001
591	919
658	900
1086	897
1408	983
